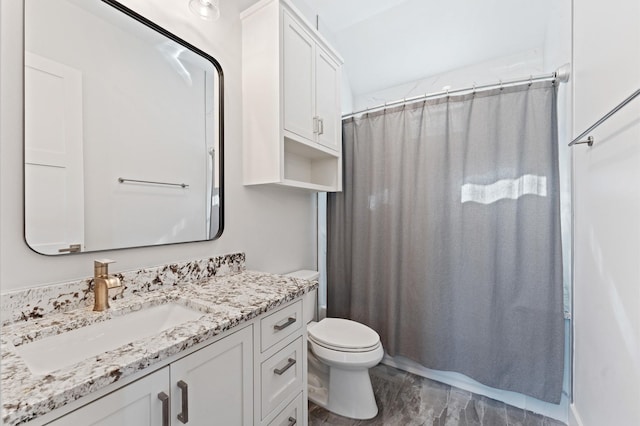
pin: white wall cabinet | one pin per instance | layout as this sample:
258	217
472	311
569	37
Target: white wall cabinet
291	101
212	386
298	76
311	81
328	80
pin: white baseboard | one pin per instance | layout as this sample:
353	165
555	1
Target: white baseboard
574	417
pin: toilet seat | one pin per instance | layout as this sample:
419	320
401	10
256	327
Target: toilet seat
344	335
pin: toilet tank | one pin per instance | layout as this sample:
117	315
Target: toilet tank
310	300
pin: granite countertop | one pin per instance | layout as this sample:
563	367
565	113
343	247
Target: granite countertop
225	302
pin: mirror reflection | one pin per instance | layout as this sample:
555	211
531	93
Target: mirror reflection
123	131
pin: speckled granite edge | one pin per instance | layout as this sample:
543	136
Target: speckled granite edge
35	303
225	302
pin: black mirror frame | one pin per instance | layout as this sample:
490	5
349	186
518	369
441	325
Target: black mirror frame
118	6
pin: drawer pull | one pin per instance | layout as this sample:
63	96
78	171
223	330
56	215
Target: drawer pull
292	421
165	408
184	416
290	321
290	363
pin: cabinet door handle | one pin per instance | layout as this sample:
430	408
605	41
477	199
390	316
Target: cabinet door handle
289	321
316	119
165	408
320	126
290	363
292	421
184	415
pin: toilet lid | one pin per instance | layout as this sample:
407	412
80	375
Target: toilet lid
343	334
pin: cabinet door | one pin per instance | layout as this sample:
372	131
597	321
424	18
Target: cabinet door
136	404
328	100
214	386
298	79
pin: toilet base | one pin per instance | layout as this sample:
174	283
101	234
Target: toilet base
342	397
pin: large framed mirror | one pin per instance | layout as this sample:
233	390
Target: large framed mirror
123	131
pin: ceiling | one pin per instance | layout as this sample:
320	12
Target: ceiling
391	42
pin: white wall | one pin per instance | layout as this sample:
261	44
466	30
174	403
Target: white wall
487	71
606	184
274	226
395	42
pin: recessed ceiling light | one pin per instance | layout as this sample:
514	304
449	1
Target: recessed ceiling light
205	9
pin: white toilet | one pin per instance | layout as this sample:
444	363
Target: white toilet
340	355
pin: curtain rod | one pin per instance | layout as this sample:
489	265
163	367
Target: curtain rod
561	74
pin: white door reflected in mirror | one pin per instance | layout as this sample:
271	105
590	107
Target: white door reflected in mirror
54	183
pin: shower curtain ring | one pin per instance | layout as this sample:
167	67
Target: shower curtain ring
501	85
474	88
530	80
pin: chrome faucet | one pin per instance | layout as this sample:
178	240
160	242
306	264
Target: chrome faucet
102	282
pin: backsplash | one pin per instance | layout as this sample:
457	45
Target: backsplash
33	303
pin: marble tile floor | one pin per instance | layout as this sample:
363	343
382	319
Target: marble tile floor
405	399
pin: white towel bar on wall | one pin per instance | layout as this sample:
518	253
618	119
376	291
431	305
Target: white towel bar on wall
150	182
589	141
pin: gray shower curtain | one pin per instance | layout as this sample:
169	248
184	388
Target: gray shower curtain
446	239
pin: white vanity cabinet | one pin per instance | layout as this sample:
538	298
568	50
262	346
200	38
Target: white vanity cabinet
212	386
291	81
256	375
281	368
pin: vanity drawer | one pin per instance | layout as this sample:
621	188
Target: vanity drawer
291	415
280	324
281	376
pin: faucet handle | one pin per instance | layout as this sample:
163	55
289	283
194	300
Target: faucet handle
101	267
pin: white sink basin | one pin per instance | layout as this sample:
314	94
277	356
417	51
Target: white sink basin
62	350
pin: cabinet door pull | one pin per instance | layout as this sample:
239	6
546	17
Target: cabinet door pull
315	124
289	321
165	408
184	415
290	363
292	421
320	126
